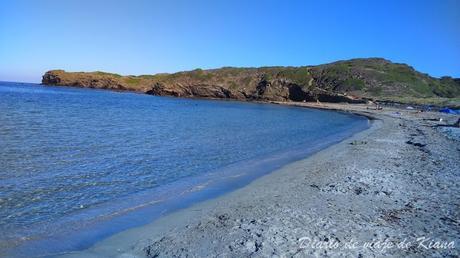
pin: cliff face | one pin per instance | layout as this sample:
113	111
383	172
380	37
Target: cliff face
344	81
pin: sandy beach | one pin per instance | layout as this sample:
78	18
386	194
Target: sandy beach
393	189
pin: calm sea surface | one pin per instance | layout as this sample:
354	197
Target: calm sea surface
77	165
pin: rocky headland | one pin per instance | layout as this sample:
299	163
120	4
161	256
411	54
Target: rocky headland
352	81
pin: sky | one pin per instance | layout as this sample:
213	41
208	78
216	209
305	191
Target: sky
145	37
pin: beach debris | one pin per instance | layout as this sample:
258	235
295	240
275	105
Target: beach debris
358	190
358	142
409	107
417	144
314	186
431	119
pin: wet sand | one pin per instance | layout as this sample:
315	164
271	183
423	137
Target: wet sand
390	190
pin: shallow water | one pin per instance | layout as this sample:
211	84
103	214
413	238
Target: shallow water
77	165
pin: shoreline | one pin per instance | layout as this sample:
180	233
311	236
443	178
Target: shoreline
323	199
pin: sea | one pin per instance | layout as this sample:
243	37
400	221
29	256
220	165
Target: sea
79	165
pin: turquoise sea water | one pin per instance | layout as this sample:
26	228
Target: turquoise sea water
77	165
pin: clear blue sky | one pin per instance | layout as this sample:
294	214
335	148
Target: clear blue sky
145	37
